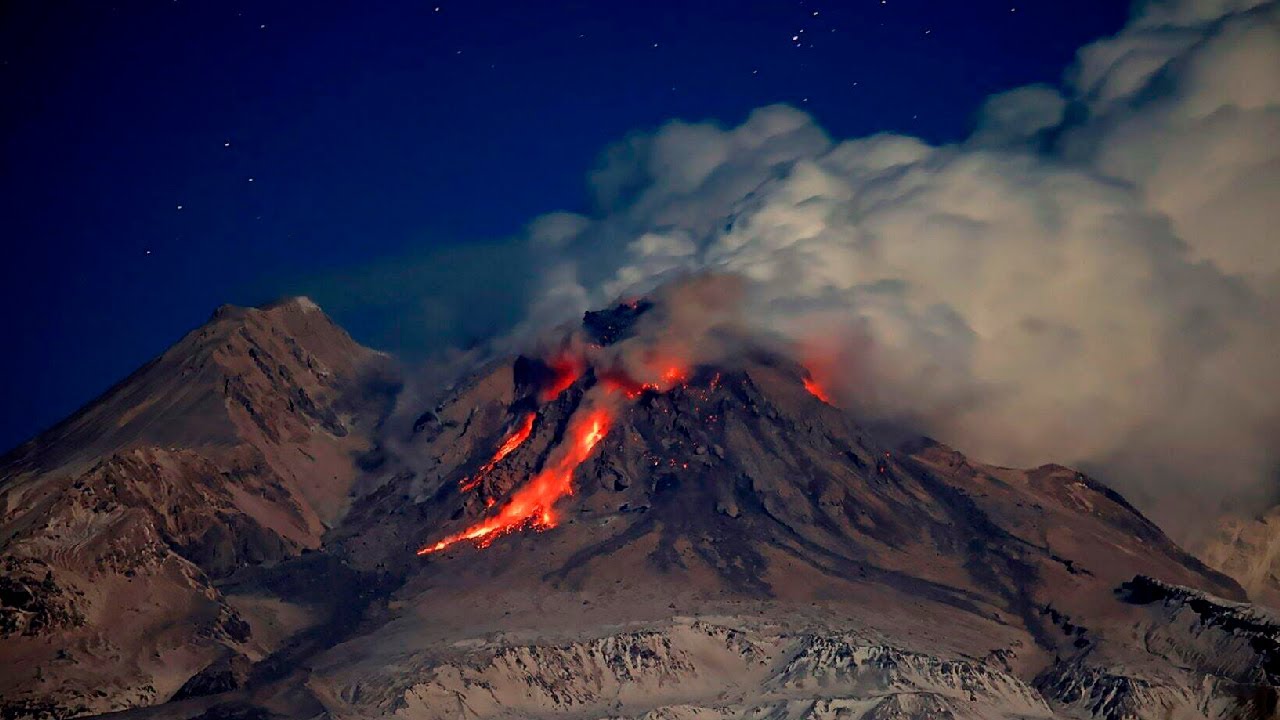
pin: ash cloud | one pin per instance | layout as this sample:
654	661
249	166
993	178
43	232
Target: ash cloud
1091	278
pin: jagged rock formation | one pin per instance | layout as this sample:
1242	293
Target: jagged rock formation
696	669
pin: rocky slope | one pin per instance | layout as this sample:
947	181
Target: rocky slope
735	498
655	517
234	448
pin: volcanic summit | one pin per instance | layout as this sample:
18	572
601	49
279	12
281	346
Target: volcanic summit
653	514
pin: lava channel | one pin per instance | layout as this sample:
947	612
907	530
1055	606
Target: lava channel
532	504
513	441
817	390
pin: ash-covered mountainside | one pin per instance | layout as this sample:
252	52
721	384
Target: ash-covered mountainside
235	448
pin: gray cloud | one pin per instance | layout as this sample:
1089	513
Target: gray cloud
1091	278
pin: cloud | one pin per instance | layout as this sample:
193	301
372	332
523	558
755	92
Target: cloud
1090	278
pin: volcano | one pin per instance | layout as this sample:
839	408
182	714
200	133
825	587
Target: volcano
653	514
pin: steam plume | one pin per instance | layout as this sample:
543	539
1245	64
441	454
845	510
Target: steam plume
1091	278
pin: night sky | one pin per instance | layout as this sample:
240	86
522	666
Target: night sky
162	158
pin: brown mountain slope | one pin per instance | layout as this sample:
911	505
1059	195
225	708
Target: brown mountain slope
235	447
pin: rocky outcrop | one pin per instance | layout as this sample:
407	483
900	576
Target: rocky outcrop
31	601
700	670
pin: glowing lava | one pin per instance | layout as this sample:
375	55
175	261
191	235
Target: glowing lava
816	390
512	442
531	505
566	370
670	376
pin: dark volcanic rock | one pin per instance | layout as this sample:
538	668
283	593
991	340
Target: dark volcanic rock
222	675
609	326
32	602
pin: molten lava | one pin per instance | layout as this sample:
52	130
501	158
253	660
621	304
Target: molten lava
670	375
566	371
816	390
519	435
531	505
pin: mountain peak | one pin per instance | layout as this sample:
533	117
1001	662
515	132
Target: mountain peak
211	388
296	304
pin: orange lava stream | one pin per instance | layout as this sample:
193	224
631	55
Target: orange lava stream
817	390
531	505
566	370
511	443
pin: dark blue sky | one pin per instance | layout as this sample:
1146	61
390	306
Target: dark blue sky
162	158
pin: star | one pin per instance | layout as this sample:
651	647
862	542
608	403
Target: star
179	207
250	179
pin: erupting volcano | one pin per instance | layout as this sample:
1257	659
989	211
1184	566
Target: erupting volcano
531	505
724	539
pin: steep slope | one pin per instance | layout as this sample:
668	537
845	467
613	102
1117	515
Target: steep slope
730	545
656	515
234	448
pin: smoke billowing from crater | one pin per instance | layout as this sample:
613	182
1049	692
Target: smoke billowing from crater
1090	278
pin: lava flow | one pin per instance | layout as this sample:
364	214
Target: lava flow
566	370
816	390
531	505
512	442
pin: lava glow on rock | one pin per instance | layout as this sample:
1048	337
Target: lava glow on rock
567	370
817	390
512	442
532	506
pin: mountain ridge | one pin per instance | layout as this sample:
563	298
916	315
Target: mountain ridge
235	447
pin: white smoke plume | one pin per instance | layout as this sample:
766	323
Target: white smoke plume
1091	278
